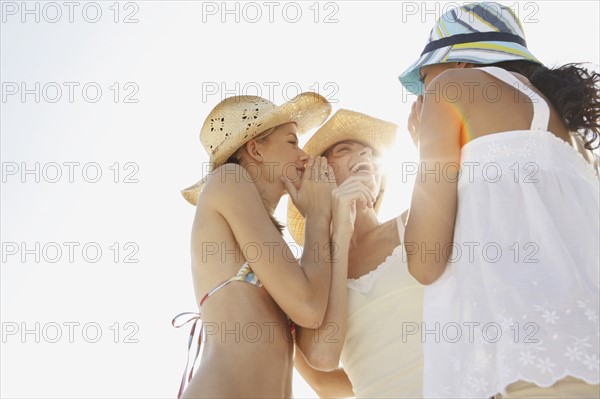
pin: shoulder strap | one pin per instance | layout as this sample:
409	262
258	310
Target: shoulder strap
400	226
541	111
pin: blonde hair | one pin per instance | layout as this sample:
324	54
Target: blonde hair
237	156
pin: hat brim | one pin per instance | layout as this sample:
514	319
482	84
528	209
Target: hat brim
350	125
308	110
344	125
482	53
192	192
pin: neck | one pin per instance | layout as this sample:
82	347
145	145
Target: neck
366	221
270	195
269	192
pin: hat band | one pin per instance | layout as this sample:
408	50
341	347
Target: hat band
472	38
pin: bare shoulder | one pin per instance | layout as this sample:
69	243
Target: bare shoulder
473	79
462	75
458	87
231	193
446	105
226	184
451	85
228	196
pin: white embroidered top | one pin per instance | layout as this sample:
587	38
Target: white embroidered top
382	353
519	297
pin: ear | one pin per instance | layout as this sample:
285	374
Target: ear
254	151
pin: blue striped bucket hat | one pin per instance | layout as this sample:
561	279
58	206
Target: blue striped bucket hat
479	33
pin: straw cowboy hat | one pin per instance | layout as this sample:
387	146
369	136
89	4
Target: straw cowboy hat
238	119
344	125
478	33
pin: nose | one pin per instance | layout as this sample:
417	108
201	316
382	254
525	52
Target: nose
366	151
303	156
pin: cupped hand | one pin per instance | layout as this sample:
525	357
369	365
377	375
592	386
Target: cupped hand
414	120
351	195
314	195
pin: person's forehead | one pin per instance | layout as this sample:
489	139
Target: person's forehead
350	142
355	143
286	129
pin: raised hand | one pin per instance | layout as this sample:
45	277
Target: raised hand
314	195
414	120
351	195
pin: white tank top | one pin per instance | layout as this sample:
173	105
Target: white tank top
381	355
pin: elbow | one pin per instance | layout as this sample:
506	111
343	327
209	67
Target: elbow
322	360
310	312
424	279
311	315
425	274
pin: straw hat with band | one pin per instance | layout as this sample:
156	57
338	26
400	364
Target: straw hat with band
238	119
478	33
344	125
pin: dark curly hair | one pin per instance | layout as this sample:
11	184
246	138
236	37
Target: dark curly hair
572	89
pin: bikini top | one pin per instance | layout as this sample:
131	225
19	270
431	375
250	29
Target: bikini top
246	275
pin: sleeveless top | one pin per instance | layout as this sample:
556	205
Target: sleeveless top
382	352
518	299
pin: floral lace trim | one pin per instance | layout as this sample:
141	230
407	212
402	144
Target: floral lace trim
500	390
364	283
496	148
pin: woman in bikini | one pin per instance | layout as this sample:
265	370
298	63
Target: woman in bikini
246	280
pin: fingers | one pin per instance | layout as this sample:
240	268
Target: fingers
325	171
358	182
317	170
322	167
314	192
291	189
355	190
418	106
358	198
329	173
414	120
309	170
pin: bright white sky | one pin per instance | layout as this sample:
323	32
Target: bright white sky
176	62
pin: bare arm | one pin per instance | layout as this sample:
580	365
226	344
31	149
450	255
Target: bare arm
301	292
430	225
327	384
322	346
